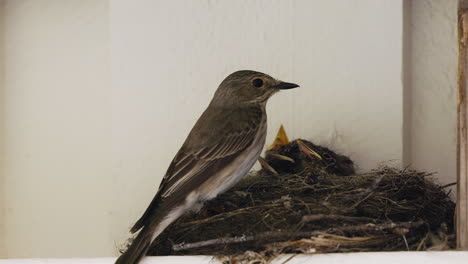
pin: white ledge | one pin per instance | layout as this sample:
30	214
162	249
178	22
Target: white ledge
431	257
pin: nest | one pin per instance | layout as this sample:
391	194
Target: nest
308	199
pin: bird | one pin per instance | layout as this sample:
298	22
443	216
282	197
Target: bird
221	148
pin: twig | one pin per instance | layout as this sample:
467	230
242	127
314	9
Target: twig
287	260
448	185
360	201
275	235
406	242
222	216
422	242
333	242
317	217
369	191
381	227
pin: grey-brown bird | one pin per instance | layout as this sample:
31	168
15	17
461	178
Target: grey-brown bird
222	147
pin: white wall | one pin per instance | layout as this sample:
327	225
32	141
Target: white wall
57	116
99	94
92	119
2	129
169	56
430	79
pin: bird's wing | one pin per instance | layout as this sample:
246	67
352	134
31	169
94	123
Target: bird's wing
206	151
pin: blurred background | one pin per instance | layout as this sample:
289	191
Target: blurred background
97	96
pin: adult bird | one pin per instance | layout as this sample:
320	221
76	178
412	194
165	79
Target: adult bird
220	149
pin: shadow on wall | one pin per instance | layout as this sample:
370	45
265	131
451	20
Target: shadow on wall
430	83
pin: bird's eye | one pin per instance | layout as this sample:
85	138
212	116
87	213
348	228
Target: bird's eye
257	82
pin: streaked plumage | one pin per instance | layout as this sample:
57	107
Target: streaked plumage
221	148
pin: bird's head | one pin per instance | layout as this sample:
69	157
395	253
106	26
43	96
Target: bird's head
249	87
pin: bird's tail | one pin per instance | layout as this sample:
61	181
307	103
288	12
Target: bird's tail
137	250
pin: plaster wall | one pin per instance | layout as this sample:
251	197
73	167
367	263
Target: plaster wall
57	125
430	85
168	57
2	139
99	96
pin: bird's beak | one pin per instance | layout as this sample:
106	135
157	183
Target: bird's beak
285	85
